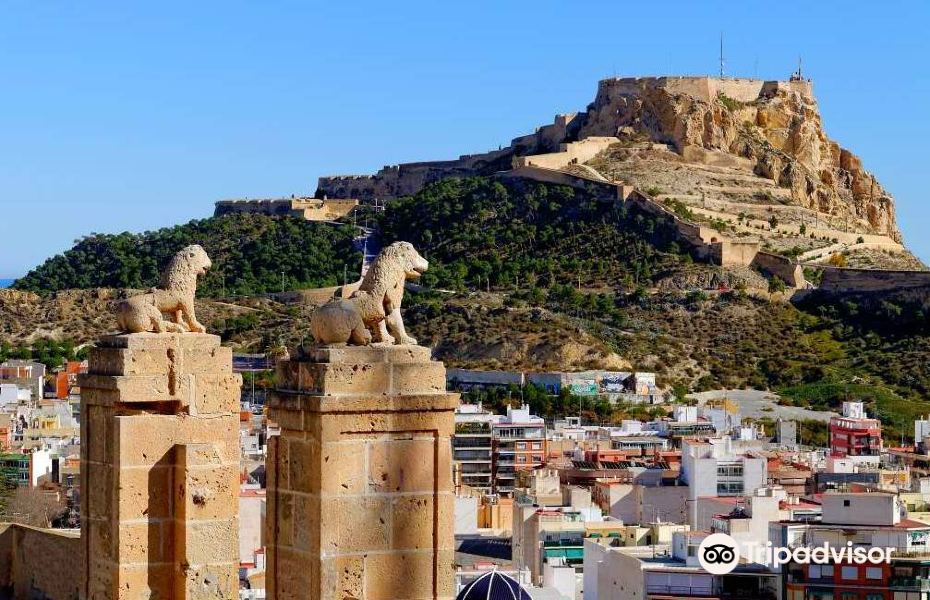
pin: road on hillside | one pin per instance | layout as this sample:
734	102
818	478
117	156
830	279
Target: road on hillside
369	244
756	404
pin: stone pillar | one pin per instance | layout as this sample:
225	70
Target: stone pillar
160	468
360	496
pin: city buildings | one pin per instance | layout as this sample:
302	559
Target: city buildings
667	571
858	520
25	373
856	436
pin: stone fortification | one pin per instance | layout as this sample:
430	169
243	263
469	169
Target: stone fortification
310	209
160	468
841	281
360	495
409	178
772	127
705	89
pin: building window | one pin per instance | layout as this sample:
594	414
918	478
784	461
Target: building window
849	573
873	572
826	570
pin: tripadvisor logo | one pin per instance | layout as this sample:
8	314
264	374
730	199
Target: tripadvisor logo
719	554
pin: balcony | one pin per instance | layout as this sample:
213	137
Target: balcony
564	543
909	584
471	441
683	591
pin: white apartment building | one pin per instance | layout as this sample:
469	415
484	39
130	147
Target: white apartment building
717	467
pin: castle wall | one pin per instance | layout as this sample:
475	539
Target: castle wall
409	178
311	209
323	210
544	175
782	267
568	154
704	89
838	280
265	207
734	253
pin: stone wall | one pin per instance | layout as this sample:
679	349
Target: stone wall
838	280
734	252
704	89
39	564
311	209
782	267
409	178
568	154
602	189
280	207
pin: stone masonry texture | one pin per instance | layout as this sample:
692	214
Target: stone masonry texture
360	494
160	468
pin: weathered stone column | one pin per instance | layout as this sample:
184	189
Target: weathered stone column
360	495
159	468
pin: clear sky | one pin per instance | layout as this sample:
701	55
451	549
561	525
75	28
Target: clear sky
132	116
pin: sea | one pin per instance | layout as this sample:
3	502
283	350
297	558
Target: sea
6	282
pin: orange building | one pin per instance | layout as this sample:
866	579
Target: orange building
66	379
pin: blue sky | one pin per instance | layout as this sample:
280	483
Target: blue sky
134	116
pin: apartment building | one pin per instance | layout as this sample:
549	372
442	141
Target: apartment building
472	448
26	373
719	467
858	520
518	443
856	436
663	572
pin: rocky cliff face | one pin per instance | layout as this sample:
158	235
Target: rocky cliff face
778	129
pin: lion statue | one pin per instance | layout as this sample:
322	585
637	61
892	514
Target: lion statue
372	313
175	299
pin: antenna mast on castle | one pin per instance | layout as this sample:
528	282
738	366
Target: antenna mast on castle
798	75
721	54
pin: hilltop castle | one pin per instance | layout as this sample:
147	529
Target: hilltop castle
408	178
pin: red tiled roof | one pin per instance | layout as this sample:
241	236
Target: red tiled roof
912	524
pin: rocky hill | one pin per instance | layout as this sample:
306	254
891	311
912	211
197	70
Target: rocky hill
775	126
747	156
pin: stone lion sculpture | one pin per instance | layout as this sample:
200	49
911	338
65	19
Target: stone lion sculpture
174	300
372	313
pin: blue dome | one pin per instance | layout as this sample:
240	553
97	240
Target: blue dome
493	586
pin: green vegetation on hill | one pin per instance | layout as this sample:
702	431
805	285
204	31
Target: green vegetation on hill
522	234
250	253
479	230
51	353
